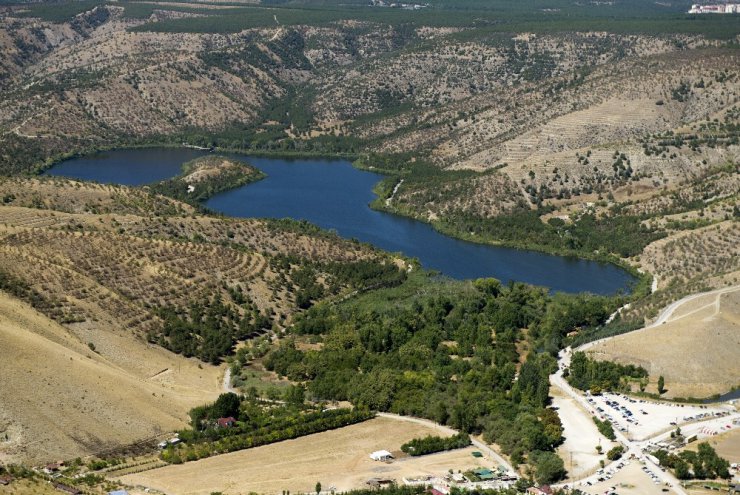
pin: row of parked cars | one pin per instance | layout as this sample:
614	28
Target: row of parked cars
624	411
653	476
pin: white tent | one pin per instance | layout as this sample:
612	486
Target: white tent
381	455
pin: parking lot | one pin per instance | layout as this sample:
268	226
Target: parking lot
640	419
631	478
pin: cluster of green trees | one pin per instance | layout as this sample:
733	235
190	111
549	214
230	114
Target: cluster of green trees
208	330
621	235
257	423
588	374
605	428
615	453
705	463
447	351
304	276
431	444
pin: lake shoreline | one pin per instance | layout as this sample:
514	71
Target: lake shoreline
630	288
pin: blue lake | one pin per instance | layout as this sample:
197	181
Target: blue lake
334	195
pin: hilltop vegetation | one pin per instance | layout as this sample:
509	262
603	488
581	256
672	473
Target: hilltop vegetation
205	177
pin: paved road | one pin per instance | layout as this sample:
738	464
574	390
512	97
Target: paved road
635	448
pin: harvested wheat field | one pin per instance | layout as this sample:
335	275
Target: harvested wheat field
695	349
60	400
338	458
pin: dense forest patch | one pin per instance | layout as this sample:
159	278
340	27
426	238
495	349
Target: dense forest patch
472	355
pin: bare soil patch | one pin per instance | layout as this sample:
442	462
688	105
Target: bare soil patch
60	400
581	438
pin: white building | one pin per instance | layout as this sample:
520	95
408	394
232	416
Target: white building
381	455
728	8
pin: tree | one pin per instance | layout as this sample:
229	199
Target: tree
661	385
295	395
615	453
548	467
226	405
318	487
681	468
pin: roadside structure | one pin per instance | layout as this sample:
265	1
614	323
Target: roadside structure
381	455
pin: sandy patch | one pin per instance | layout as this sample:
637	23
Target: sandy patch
581	437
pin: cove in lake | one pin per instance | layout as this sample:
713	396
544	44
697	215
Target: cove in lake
334	195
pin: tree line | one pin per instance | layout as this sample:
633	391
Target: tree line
705	463
256	423
431	444
588	374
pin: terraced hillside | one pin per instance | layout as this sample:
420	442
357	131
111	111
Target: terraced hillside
121	282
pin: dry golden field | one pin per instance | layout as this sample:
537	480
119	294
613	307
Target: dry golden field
29	487
727	445
338	458
695	350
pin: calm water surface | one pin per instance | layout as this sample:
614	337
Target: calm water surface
334	195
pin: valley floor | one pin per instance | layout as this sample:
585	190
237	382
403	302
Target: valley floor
338	458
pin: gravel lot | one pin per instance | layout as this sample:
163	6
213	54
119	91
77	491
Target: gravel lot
581	438
649	418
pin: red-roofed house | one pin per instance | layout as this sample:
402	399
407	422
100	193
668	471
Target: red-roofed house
541	490
226	422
